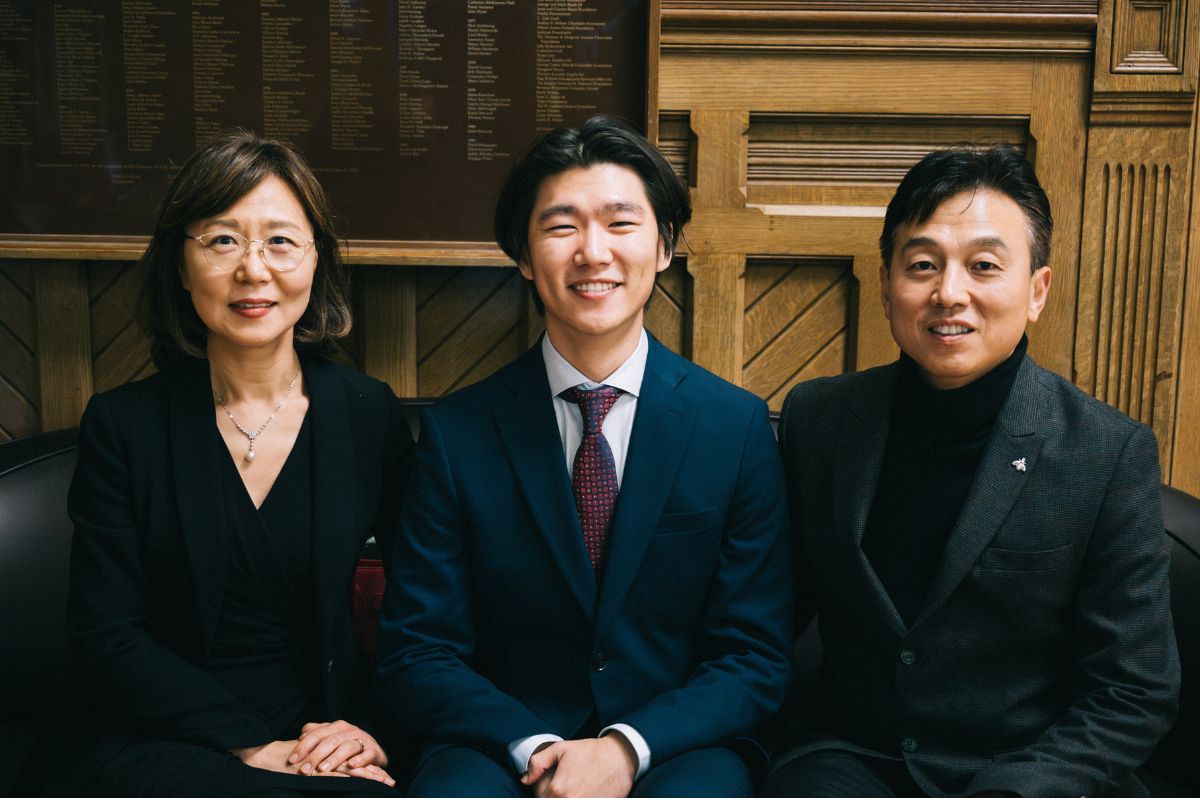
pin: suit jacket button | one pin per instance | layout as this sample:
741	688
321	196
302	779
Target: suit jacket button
599	662
909	744
908	657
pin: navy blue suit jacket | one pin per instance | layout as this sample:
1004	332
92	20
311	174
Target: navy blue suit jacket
494	626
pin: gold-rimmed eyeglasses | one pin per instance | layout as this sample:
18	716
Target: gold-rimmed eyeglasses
225	250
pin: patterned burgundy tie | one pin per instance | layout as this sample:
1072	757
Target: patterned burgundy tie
594	472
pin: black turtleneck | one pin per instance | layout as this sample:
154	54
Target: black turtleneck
935	440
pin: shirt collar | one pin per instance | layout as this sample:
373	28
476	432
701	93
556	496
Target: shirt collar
627	377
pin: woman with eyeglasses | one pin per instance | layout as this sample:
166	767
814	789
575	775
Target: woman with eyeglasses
220	506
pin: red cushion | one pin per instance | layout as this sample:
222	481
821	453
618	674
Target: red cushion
366	595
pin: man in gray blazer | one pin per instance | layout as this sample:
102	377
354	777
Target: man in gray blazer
981	541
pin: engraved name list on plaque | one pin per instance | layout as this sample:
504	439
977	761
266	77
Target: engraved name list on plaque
410	111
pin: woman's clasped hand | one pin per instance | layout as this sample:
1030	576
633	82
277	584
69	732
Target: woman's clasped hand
324	749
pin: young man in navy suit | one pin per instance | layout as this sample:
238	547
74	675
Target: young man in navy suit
590	592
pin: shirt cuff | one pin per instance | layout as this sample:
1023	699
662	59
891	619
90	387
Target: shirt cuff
639	746
521	750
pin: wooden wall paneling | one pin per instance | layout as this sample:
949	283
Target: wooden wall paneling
120	352
469	324
1146	46
19	406
782	82
836	163
905	13
64	348
720	158
676	142
1184	471
1138	193
871	334
387	328
1058	119
897	27
1132	269
796	323
717	273
717	307
532	322
348	350
854	237
668	313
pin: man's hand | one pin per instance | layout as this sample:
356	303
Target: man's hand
601	767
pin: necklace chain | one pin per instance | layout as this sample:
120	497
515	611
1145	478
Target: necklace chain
252	435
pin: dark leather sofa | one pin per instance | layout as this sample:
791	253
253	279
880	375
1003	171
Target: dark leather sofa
35	540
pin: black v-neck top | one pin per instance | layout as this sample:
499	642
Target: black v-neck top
935	440
264	651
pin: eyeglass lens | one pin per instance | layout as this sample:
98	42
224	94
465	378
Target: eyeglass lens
226	250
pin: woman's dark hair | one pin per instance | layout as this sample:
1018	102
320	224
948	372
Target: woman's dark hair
943	174
216	176
602	140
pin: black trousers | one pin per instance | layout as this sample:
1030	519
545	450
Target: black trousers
160	768
834	773
456	771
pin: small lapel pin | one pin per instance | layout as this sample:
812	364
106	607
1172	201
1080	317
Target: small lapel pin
1019	464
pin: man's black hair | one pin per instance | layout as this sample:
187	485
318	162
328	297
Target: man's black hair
943	174
601	140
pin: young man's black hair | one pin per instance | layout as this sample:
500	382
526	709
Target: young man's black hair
601	140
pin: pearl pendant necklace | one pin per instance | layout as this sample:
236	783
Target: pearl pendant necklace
252	435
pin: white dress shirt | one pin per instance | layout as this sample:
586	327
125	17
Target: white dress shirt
617	427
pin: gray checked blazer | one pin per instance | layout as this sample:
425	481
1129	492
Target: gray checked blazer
1043	661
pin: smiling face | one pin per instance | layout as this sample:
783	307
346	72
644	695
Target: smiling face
593	254
959	291
251	305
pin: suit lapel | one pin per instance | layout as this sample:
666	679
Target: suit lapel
196	453
535	450
860	448
997	484
662	427
334	486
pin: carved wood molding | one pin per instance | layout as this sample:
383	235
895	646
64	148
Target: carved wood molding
72	248
1049	28
1148	36
1132	272
359	251
1146	109
433	254
1125	338
1147	46
892	9
833	150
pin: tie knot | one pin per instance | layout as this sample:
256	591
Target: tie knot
594	404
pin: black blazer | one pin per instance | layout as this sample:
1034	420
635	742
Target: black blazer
148	557
1043	660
